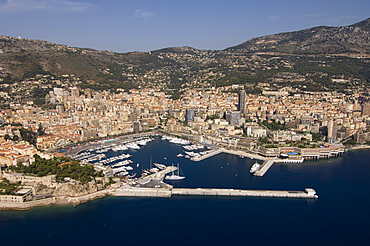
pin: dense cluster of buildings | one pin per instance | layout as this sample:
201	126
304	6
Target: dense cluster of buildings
225	115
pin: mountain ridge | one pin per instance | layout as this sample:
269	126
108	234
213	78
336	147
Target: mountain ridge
302	41
314	55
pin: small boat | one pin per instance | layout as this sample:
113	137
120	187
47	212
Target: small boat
131	176
175	175
180	155
255	167
160	166
154	170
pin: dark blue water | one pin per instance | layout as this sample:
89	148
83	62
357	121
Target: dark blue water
340	216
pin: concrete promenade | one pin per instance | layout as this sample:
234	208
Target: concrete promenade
244	154
157	192
129	191
160	175
141	192
264	167
228	151
210	154
309	193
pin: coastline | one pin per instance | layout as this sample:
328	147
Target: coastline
358	147
58	200
66	199
123	191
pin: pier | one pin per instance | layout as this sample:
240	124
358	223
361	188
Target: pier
208	155
141	192
228	151
158	192
160	175
154	180
264	167
308	193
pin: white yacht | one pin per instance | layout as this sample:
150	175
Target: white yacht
133	146
175	175
255	167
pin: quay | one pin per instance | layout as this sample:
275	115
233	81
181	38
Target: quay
128	191
227	151
208	155
308	193
160	175
264	167
154	180
158	192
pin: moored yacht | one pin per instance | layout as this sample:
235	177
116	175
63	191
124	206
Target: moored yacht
175	175
255	167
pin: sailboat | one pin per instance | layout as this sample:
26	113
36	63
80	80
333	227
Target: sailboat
175	175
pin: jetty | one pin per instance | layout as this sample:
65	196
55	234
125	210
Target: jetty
208	155
154	180
264	167
160	175
158	192
217	151
308	193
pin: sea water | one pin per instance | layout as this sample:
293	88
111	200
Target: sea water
339	217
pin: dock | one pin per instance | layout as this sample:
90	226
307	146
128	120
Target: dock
308	193
228	151
158	192
264	167
154	180
160	175
208	155
141	192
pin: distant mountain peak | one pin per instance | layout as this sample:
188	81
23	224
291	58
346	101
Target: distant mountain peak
352	39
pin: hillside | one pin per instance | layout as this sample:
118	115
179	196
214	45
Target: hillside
310	59
349	40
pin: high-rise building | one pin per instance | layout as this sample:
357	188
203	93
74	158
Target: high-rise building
190	115
136	126
332	131
366	109
233	118
241	101
75	92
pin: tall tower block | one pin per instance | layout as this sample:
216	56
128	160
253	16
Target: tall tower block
241	101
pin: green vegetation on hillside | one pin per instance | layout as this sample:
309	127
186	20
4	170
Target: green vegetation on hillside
7	188
62	167
315	56
274	125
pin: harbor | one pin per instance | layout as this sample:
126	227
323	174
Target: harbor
151	178
151	182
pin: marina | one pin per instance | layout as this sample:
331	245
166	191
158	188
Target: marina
151	182
127	208
194	151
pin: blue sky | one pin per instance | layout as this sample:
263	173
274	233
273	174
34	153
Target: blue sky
146	25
